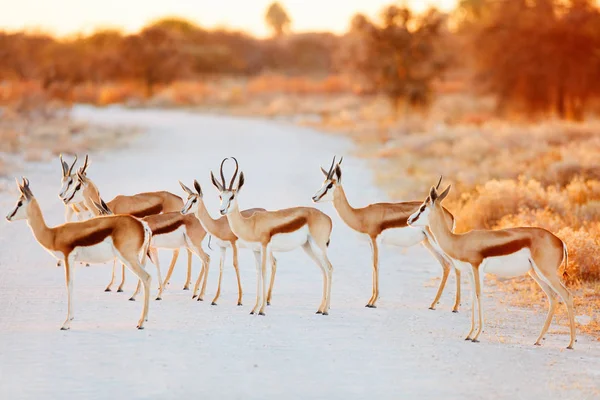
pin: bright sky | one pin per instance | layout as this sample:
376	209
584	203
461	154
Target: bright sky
63	17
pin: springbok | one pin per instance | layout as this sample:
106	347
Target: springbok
224	237
69	178
506	253
139	205
170	231
96	240
282	230
385	223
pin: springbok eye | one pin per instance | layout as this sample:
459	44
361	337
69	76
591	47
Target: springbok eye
330	185
422	208
78	187
194	200
20	203
220	197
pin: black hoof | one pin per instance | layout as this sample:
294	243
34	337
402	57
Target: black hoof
537	344
475	340
261	313
64	329
194	296
372	306
213	304
107	290
131	299
455	311
251	312
140	327
325	313
319	312
239	304
119	290
431	308
159	298
200	298
368	306
570	348
268	303
186	288
87	265
468	338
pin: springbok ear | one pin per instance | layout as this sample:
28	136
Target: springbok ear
81	177
215	182
105	207
98	207
198	188
324	172
240	181
185	188
433	194
444	194
25	188
19	185
338	173
64	166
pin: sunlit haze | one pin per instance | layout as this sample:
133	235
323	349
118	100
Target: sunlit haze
63	17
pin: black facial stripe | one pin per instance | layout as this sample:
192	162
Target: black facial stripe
13	213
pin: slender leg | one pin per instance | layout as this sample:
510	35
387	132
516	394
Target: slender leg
198	281
322	252
234	249
263	268
188	278
170	271
112	279
120	288
257	259
478	278
457	300
206	267
375	296
311	253
137	290
134	266
473	303
552	303
273	271
221	262
555	283
154	258
69	281
445	267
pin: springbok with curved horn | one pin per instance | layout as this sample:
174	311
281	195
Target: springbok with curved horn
507	253
219	229
170	231
68	179
282	230
385	223
139	205
96	240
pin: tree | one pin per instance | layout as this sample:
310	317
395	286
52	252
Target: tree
400	56
277	19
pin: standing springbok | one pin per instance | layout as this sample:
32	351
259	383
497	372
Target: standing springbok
219	229
385	223
139	205
96	240
171	231
506	253
282	230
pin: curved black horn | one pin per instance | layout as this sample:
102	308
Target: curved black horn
341	159
72	165
438	184
237	167
330	174
221	172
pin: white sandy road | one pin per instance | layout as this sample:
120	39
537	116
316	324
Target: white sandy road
400	350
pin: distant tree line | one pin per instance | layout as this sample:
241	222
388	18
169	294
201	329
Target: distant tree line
533	55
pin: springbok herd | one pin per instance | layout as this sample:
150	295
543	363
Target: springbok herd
131	228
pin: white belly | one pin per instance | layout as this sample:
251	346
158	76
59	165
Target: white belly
289	241
509	266
171	240
97	254
254	246
222	243
403	237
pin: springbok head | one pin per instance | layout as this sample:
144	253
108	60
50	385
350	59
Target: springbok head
75	194
228	194
194	198
25	197
432	204
68	177
70	180
333	177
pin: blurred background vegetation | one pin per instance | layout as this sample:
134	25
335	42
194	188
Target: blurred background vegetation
499	96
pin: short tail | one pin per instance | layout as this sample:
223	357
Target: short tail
566	254
328	241
147	241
